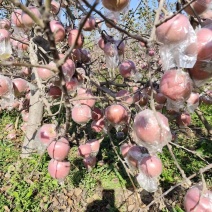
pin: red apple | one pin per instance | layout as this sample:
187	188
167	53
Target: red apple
126	68
173	30
16	18
115	5
98	126
90	23
27	20
4	85
72	37
85	150
47	133
20	86
59	169
149	131
58	30
195	200
183	119
151	166
81	114
96	113
59	150
116	114
176	85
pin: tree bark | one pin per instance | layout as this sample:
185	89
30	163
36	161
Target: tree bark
35	117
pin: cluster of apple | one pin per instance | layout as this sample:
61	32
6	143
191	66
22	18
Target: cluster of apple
57	148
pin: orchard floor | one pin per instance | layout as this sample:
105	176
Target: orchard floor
25	184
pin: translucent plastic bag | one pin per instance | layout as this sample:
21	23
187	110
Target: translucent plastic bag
176	85
147	183
192	102
111	55
150	131
6	92
5	47
182	54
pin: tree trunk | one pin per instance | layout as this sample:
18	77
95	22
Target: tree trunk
34	121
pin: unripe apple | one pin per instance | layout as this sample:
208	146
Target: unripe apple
72	37
59	150
151	166
47	133
59	169
116	114
81	114
197	200
176	85
115	5
27	20
173	30
58	30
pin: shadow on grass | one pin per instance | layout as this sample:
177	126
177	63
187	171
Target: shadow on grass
107	204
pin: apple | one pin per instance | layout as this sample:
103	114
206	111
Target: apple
81	114
148	131
58	30
115	5
151	166
176	85
20	86
72	39
126	68
16	18
59	150
27	20
116	114
195	200
47	133
90	23
174	30
59	169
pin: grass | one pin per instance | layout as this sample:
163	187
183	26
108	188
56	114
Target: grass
23	191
